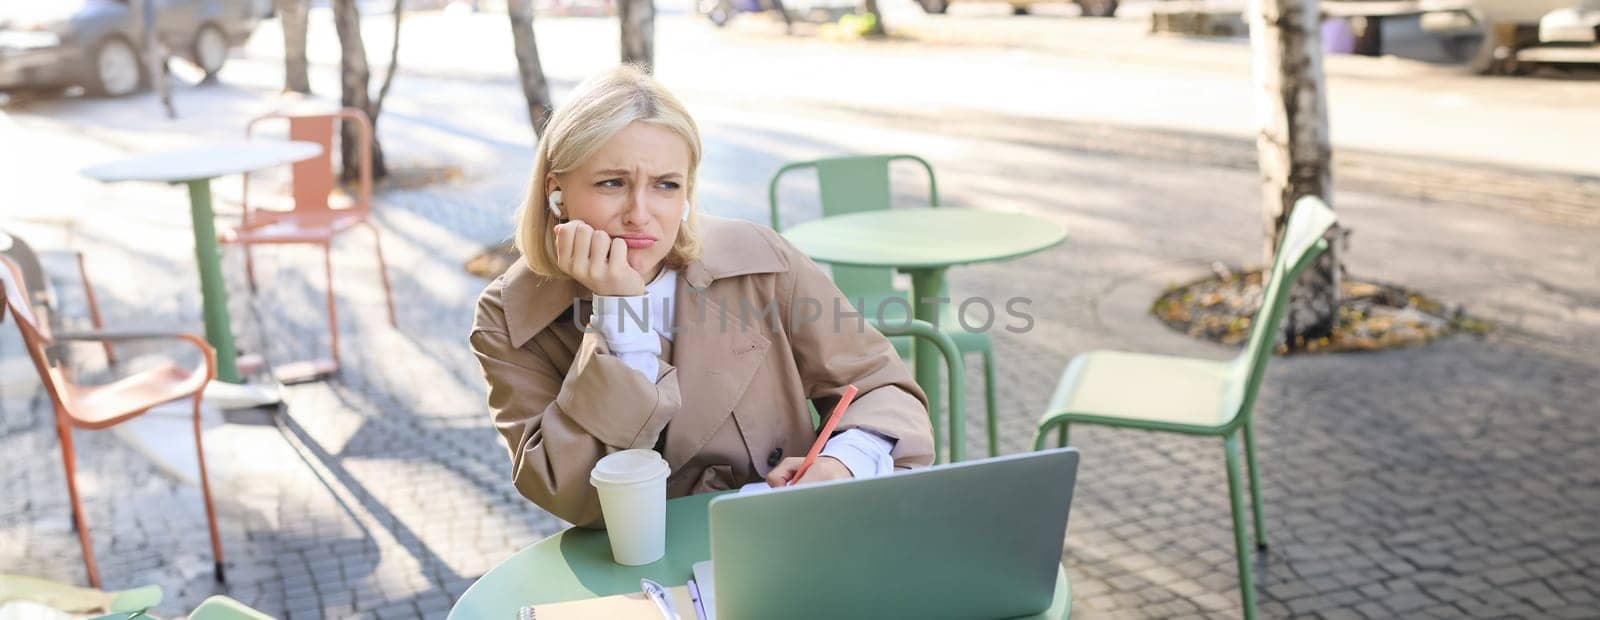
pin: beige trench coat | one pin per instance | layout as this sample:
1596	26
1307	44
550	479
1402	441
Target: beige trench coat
733	401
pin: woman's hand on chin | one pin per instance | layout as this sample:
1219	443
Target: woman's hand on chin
826	468
596	260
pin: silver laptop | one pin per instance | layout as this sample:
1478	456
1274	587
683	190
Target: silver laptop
979	539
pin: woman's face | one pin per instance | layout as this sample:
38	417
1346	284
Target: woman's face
634	189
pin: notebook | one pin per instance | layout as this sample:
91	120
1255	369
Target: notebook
631	606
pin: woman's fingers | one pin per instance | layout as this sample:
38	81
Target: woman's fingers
564	247
599	247
582	236
780	475
617	260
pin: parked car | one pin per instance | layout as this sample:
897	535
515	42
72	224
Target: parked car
97	44
1527	31
1090	8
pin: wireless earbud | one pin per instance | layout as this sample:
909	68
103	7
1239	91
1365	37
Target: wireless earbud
686	208
555	203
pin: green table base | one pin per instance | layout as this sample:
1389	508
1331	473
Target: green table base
213	289
576	564
924	243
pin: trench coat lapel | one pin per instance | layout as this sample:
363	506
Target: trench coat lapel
717	353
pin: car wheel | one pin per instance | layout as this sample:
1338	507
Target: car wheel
1098	8
935	6
115	69
210	49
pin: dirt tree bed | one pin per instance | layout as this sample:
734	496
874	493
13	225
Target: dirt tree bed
1372	315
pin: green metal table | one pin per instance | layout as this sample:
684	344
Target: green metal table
196	167
576	564
924	243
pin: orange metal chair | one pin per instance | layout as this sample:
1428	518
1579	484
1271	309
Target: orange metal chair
313	220
104	406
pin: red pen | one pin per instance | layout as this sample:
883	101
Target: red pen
822	436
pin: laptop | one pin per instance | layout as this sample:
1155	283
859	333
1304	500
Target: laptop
978	539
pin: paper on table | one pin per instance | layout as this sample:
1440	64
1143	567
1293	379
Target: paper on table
634	605
707	588
759	486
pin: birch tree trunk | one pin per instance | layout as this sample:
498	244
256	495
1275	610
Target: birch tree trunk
877	19
292	16
638	32
1294	149
535	88
353	77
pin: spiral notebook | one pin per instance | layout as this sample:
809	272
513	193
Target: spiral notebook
634	605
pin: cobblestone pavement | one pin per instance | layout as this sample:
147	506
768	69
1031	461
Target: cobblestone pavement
1456	479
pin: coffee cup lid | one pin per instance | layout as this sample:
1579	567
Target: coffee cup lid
629	467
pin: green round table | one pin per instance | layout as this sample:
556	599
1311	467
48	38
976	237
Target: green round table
576	564
924	243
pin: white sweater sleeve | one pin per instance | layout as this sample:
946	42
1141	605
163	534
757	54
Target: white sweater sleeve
628	333
863	452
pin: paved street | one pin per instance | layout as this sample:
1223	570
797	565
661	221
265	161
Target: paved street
1455	479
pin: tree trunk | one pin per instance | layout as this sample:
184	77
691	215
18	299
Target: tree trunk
877	19
638	32
783	11
1294	148
394	63
292	16
534	86
353	77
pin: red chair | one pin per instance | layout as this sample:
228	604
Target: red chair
103	406
313	220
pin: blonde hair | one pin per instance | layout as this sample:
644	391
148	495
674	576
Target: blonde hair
598	108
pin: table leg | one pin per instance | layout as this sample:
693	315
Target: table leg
927	284
213	292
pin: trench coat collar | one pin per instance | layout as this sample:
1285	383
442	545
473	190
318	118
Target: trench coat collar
729	248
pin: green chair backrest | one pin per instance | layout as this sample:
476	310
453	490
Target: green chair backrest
220	607
956	398
1301	244
850	185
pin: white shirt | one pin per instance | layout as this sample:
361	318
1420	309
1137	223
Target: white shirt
630	325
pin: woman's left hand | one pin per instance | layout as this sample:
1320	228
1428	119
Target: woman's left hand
824	469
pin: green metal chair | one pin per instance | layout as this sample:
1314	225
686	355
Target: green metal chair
912	328
1196	397
861	183
220	607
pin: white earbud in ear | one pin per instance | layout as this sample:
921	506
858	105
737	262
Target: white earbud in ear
686	208
555	203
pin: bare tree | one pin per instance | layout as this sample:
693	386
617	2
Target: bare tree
292	17
1293	145
638	32
877	19
354	75
535	88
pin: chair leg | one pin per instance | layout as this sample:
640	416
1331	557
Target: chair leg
249	267
205	491
94	308
989	401
333	313
1247	589
1255	485
70	461
1061	437
383	272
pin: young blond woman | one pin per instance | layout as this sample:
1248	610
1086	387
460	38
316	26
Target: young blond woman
635	321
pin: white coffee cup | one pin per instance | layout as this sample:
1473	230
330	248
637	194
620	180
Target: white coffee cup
632	485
